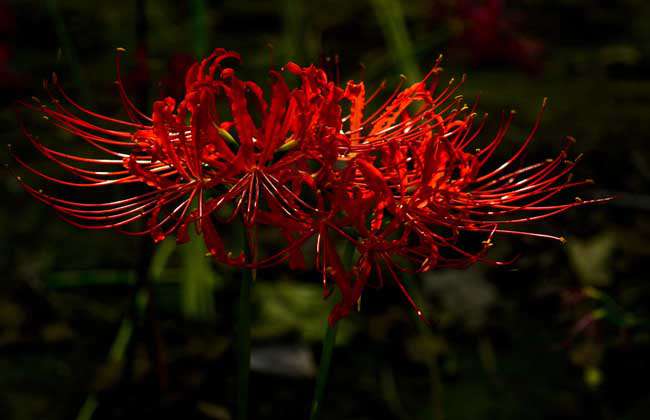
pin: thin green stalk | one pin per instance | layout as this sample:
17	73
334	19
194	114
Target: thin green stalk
328	347
323	371
437	387
124	336
244	328
115	357
393	24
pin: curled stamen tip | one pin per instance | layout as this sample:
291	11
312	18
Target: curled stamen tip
590	181
55	78
544	102
513	112
403	77
120	49
571	139
19	178
562	239
35	99
579	200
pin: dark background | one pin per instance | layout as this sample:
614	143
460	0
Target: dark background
560	334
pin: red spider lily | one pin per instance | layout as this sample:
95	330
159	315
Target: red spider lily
288	151
415	185
401	186
195	152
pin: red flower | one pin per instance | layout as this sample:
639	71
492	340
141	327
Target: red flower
156	153
401	187
195	152
415	186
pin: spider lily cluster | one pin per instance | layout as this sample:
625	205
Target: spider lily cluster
309	164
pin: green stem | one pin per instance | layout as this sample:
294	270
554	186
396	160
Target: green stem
437	387
328	346
115	358
244	330
323	371
390	16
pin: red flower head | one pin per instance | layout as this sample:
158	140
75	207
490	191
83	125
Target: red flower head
222	147
414	185
401	187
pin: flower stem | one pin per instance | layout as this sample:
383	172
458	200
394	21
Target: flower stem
244	329
328	346
323	371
